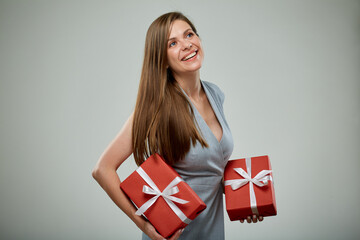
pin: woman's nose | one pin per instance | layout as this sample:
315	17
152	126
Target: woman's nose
186	45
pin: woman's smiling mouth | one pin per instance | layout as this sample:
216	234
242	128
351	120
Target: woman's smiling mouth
190	56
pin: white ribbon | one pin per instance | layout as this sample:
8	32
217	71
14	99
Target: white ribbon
171	189
261	179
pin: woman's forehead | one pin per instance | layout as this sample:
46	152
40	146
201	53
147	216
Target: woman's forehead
178	27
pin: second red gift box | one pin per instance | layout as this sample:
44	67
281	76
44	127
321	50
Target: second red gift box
249	188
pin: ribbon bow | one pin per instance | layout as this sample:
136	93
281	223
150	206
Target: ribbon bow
261	179
167	193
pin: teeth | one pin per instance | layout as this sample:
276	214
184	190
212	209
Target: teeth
190	56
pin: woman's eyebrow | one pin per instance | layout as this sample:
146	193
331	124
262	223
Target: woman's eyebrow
189	29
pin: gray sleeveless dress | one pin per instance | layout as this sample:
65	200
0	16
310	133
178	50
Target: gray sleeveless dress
203	170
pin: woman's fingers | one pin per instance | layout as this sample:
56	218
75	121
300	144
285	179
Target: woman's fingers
176	235
254	218
157	236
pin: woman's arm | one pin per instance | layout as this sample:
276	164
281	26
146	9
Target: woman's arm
105	174
105	170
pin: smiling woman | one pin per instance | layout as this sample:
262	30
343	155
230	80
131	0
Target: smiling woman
162	108
180	117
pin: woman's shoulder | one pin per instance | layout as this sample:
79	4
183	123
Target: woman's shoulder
215	91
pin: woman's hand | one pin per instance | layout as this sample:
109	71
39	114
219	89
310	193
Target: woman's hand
154	235
253	219
176	235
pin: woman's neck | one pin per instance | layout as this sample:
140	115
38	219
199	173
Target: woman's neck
190	83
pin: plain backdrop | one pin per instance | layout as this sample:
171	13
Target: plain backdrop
70	71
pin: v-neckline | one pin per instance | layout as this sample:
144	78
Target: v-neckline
212	105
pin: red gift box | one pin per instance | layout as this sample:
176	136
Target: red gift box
159	193
249	188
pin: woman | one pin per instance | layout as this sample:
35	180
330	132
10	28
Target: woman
180	117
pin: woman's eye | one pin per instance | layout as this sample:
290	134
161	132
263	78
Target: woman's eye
172	44
190	34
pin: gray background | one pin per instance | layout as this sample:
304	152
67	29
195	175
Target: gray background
69	75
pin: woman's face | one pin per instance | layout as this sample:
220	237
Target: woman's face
184	49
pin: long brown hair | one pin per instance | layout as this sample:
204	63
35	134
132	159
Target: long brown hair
164	120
